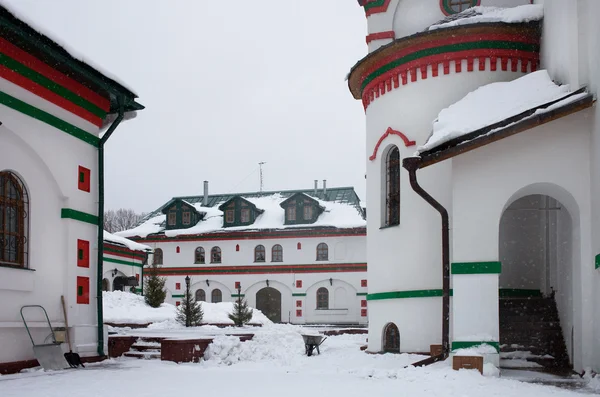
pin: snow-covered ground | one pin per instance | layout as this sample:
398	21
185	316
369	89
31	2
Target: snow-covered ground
127	308
274	364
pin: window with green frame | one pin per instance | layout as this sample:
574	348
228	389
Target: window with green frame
450	7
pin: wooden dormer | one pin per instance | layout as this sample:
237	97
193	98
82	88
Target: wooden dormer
237	211
181	215
301	209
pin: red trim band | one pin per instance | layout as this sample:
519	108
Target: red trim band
390	131
390	34
241	270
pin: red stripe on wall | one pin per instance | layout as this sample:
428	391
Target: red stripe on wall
381	36
47	71
48	95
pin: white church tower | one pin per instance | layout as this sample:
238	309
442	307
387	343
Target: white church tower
416	68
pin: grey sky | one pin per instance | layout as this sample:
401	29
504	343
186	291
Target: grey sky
226	84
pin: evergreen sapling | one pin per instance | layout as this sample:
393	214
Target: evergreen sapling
190	312
154	293
241	314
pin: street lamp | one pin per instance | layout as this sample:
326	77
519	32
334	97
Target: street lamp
187	282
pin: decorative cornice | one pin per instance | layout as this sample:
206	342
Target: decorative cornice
374	6
391	65
390	131
390	34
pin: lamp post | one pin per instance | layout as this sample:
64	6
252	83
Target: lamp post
187	282
188	303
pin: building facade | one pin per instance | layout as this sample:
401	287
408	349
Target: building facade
123	264
299	256
518	188
52	110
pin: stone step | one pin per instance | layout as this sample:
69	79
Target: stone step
141	348
148	355
532	318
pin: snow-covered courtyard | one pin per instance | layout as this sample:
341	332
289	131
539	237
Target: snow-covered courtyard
273	364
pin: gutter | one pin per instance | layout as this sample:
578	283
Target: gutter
107	134
412	164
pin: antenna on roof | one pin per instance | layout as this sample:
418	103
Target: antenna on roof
261	174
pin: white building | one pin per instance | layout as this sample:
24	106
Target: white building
53	108
299	256
514	166
123	264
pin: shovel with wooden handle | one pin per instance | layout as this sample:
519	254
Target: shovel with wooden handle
72	358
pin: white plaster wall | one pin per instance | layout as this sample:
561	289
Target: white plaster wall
557	165
344	304
475	307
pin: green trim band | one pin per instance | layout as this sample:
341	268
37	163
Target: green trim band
476	268
177	296
597	261
519	293
45	82
238	296
374	4
466	345
473	45
422	293
299	294
362	293
120	262
31	111
122	252
79	216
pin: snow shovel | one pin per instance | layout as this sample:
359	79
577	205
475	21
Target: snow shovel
49	355
72	358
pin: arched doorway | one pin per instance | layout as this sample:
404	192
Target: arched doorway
536	242
391	339
268	301
105	285
119	283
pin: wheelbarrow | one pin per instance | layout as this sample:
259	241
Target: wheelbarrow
312	342
49	355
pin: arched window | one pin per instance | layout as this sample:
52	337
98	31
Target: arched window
277	253
450	7
14	210
259	253
199	255
392	189
322	252
322	298
200	295
158	257
105	285
215	255
216	296
391	338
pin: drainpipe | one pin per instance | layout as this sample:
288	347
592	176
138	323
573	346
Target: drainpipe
412	164
103	140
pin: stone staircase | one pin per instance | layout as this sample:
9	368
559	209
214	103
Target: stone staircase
146	348
531	336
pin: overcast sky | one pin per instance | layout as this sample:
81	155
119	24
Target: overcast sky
226	84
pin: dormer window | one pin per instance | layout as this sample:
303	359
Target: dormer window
172	218
230	216
291	213
187	217
308	212
245	215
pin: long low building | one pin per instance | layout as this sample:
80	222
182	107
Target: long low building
123	261
297	255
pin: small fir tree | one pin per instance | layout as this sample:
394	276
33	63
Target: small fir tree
241	314
154	293
189	313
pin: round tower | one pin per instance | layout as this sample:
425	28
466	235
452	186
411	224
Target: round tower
419	64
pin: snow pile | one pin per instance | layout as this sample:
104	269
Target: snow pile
520	14
495	102
132	245
127	308
339	215
476	350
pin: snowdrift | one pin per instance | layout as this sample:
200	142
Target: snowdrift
127	308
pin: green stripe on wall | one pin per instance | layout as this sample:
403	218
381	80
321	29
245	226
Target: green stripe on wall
362	293
133	254
177	296
299	294
237	296
79	216
50	85
423	293
597	261
466	345
474	45
47	118
373	4
476	268
120	262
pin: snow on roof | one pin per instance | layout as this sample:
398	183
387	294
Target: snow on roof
520	14
42	28
338	215
132	245
495	102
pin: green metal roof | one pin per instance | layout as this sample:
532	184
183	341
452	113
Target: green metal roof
344	195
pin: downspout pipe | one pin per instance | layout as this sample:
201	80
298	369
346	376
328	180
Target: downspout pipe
412	164
100	270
